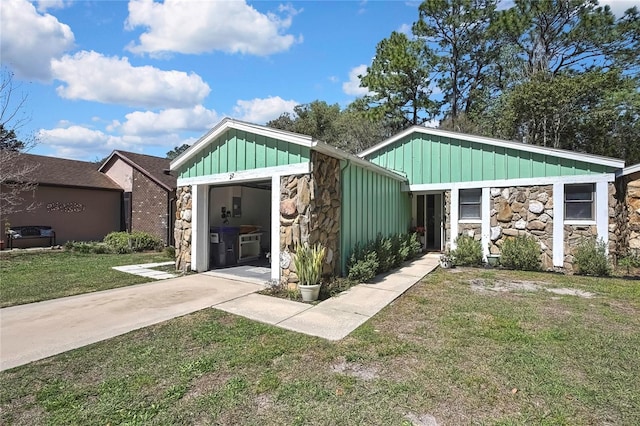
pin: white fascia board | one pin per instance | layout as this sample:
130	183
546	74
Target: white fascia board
247	175
502	183
334	152
587	158
228	123
629	170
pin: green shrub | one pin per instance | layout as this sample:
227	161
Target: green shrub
363	263
386	255
366	261
87	247
124	242
398	250
415	246
170	251
119	242
591	258
521	253
335	286
468	251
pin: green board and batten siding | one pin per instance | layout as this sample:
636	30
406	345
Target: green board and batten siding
372	204
430	159
236	150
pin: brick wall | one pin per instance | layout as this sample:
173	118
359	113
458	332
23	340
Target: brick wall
149	207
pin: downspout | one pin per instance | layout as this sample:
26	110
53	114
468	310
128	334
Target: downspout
170	219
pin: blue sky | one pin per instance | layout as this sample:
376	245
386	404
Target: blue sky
146	76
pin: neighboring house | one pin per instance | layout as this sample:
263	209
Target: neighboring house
149	193
629	211
448	183
73	197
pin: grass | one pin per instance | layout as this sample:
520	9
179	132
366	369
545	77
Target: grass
33	277
451	348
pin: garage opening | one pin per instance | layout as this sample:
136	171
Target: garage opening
240	231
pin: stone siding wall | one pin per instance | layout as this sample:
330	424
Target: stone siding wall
310	213
471	229
632	204
523	210
182	228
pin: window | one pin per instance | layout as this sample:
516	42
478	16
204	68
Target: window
578	202
470	202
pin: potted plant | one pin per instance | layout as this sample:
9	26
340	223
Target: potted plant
446	261
308	261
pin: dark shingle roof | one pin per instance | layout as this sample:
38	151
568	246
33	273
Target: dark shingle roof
63	172
150	165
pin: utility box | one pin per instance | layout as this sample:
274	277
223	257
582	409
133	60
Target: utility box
224	245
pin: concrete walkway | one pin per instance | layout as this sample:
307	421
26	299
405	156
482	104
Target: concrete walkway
39	330
145	270
337	317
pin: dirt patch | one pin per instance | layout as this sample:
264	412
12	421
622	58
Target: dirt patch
263	403
355	370
205	384
501	286
421	419
570	292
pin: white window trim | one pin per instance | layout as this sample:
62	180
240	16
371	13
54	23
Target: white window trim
471	219
577	222
593	203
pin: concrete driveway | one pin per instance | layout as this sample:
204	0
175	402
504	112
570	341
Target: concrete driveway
39	330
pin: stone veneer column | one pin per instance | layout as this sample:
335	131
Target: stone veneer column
182	228
632	219
523	210
310	213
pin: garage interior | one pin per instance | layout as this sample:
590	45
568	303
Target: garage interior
240	230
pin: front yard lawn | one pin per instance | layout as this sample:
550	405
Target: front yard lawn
33	277
464	346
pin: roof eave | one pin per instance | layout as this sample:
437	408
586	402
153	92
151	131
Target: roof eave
635	168
588	158
141	169
229	123
332	151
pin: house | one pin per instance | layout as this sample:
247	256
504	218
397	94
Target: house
493	189
72	197
292	188
148	192
295	189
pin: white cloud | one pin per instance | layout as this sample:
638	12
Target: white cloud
406	30
30	40
44	5
352	87
260	111
618	7
80	142
92	76
205	26
147	123
86	143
